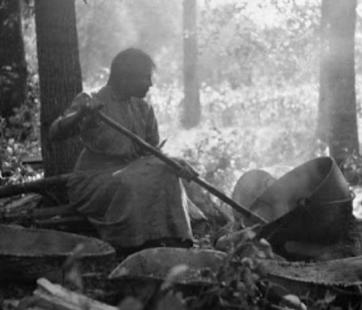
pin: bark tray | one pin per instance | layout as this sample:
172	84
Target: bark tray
160	264
28	254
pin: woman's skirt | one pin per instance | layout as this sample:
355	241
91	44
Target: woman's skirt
133	205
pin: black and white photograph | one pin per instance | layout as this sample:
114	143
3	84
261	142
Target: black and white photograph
180	154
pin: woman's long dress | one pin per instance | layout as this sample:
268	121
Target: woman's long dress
130	197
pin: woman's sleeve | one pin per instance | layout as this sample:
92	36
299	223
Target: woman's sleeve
152	135
64	127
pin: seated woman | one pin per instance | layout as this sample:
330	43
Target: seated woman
133	199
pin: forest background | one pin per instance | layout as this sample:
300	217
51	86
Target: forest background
258	64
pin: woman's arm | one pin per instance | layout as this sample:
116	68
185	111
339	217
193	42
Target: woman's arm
65	126
68	125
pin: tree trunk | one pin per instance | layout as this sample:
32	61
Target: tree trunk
337	101
59	75
323	125
191	102
13	72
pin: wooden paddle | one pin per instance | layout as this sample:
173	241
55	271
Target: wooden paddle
178	167
41	186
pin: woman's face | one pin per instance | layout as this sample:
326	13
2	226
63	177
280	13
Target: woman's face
136	84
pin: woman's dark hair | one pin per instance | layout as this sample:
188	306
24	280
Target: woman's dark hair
129	61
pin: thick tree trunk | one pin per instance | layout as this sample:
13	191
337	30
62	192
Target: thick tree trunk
191	102
59	75
13	72
337	107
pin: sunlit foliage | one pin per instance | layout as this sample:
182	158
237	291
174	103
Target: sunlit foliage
259	76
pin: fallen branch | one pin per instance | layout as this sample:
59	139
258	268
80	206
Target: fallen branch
42	213
40	186
46	217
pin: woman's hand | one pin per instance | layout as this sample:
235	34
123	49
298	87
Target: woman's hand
68	125
186	172
88	105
